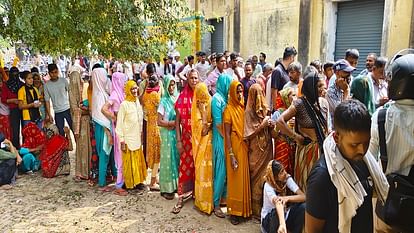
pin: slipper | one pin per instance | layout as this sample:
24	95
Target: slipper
234	220
77	179
107	188
120	192
91	183
186	197
217	211
154	187
177	208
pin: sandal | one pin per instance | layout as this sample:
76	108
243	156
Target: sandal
107	189
91	183
177	208
219	213
186	197
154	188
234	220
120	192
6	187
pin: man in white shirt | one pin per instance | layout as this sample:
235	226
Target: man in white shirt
183	74
202	66
399	125
234	70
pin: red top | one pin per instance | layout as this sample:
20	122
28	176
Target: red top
7	94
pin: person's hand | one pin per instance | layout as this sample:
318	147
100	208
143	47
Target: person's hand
113	117
37	104
123	146
265	122
234	163
282	229
180	147
272	123
49	118
283	199
343	84
206	128
299	139
383	100
66	130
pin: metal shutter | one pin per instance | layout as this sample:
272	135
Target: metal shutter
217	37
359	25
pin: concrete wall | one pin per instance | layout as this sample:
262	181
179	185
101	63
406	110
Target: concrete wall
271	25
397	26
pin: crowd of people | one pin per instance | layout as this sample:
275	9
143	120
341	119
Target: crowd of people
278	143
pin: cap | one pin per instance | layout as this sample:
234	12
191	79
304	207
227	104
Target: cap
344	65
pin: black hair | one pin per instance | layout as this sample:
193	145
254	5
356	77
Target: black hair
233	56
278	61
316	63
151	69
263	55
328	64
352	116
352	53
190	58
277	167
97	65
289	51
201	53
34	70
24	74
380	62
219	56
52	67
248	64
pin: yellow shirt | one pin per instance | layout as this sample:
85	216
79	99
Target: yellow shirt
21	95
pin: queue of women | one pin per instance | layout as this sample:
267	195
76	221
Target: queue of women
216	148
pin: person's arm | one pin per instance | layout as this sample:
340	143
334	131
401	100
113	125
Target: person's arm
265	123
67	135
166	124
275	79
48	117
283	126
281	215
374	142
120	126
107	112
312	224
178	132
206	125
5	96
182	74
299	195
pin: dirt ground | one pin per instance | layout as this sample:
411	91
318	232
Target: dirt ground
38	204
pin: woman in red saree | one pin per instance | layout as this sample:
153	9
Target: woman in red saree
285	146
54	157
184	146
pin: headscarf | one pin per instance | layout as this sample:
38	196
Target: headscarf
128	94
100	94
284	95
118	90
33	136
236	108
256	109
273	169
201	95
167	100
223	85
310	99
14	82
362	91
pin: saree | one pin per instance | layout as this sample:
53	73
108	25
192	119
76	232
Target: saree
202	150
238	181
80	126
218	104
186	168
284	146
54	156
169	160
260	145
5	126
151	101
115	99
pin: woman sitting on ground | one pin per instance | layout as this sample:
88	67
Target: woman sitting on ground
283	202
9	160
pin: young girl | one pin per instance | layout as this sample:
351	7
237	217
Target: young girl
283	202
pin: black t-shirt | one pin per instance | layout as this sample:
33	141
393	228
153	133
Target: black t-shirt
322	198
279	78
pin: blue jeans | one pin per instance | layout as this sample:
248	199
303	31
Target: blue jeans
60	121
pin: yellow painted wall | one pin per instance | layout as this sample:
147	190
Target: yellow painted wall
399	26
269	26
316	24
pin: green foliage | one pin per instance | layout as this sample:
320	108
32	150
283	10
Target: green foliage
125	29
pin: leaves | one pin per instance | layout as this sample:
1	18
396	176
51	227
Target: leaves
125	29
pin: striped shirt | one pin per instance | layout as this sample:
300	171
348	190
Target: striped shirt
399	136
